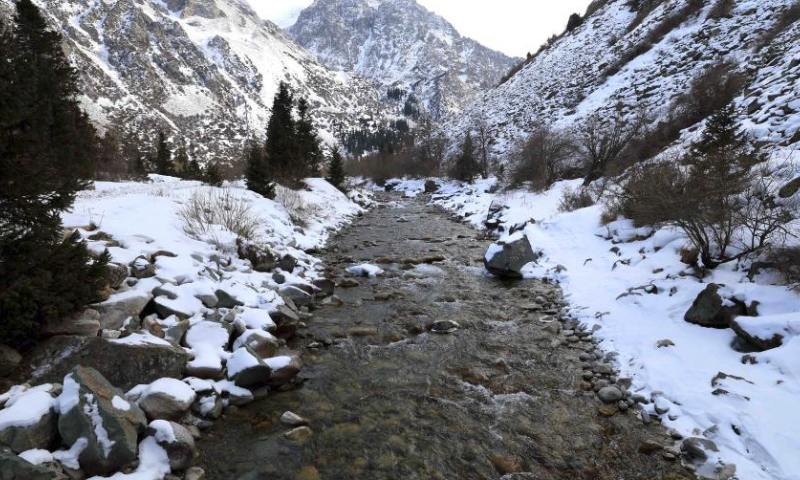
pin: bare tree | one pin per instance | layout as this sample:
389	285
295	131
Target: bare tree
543	157
602	141
483	140
429	150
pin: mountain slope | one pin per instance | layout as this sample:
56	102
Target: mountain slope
401	44
205	70
621	59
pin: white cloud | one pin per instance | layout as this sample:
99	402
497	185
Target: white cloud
511	26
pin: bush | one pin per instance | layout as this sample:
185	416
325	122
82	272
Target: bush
298	209
212	214
601	142
786	260
575	199
543	158
722	9
787	19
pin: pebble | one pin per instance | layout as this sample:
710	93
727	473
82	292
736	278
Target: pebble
610	394
645	417
195	473
299	434
293	420
650	446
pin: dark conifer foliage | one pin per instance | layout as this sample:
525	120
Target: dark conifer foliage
282	147
48	150
307	143
466	166
163	159
336	174
259	174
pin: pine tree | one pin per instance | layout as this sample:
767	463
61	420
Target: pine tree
466	167
281	145
48	151
336	175
211	175
258	173
181	162
307	143
163	160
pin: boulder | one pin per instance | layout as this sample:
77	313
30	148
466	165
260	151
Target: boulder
124	364
287	320
431	186
261	259
13	467
697	447
94	410
247	370
9	360
768	332
116	310
262	343
293	420
28	420
325	287
176	440
86	323
284	370
142	268
287	263
116	273
709	309
610	394
506	258
298	296
790	188
227	299
164	399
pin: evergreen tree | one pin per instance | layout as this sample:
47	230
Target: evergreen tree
181	162
466	167
307	143
258	173
281	145
211	175
336	173
163	160
48	151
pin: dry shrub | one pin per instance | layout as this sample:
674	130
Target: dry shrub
210	209
787	19
601	141
575	199
298	209
786	260
722	9
543	158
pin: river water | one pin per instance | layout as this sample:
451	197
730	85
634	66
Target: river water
386	399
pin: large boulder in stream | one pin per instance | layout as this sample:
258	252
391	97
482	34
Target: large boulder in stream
506	258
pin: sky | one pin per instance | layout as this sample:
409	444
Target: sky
513	27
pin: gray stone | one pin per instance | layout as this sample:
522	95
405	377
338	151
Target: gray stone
261	343
431	186
697	447
180	451
287	263
286	374
163	406
293	420
227	300
325	287
708	309
86	323
124	365
790	188
142	268
298	296
9	360
38	435
93	403
765	343
279	278
116	274
508	260
444	326
610	394
287	321
195	473
257	374
13	467
119	308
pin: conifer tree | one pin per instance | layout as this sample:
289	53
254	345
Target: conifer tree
163	160
48	151
211	175
258	173
466	167
181	162
281	145
336	175
307	144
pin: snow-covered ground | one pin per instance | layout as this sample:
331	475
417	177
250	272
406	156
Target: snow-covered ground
142	226
751	413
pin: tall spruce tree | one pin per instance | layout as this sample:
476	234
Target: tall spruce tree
163	161
336	173
48	151
281	146
258	173
466	166
307	144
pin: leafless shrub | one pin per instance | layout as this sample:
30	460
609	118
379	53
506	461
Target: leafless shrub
298	209
543	158
787	18
575	199
722	9
601	141
210	212
786	260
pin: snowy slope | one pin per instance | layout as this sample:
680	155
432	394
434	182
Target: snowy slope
745	403
569	81
401	44
204	69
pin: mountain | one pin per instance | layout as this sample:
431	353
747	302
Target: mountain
644	55
404	47
203	70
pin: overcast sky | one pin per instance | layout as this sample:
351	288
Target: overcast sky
514	27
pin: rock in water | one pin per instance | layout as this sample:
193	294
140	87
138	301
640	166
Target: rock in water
708	309
506	258
94	410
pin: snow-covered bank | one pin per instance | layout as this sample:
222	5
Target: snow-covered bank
746	405
209	280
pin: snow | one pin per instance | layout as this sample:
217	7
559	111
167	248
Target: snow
120	404
241	360
255	318
37	457
602	292
167	386
69	458
144	338
92	410
365	270
208	341
153	463
68	399
276	363
25	407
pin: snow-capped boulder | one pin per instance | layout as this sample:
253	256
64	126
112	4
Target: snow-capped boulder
96	413
769	332
506	258
164	399
207	340
13	467
246	369
262	343
284	369
117	309
711	310
176	440
28	420
431	186
142	268
298	296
